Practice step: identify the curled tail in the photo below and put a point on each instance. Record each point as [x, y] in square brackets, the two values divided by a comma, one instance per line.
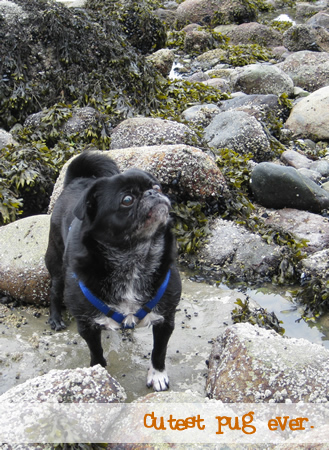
[90, 164]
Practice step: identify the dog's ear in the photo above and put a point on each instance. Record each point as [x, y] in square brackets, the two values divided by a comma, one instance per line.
[87, 206]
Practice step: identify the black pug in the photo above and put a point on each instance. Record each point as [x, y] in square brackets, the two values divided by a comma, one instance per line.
[111, 257]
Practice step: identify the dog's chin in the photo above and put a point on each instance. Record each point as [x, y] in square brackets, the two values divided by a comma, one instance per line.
[156, 217]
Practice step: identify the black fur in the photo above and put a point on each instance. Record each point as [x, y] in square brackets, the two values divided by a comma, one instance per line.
[112, 231]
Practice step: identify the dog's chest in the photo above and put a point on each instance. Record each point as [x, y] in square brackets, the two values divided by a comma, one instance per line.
[130, 282]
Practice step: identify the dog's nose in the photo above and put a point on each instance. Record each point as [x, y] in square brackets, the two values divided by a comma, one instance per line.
[152, 193]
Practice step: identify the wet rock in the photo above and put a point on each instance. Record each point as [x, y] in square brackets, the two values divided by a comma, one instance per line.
[147, 131]
[252, 33]
[303, 37]
[239, 255]
[203, 11]
[79, 121]
[278, 187]
[308, 70]
[23, 273]
[6, 139]
[316, 266]
[162, 60]
[262, 79]
[304, 225]
[295, 159]
[310, 116]
[85, 385]
[257, 105]
[181, 169]
[305, 10]
[201, 114]
[198, 41]
[321, 19]
[251, 364]
[240, 132]
[209, 59]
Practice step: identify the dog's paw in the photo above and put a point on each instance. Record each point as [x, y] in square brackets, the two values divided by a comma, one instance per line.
[158, 380]
[57, 324]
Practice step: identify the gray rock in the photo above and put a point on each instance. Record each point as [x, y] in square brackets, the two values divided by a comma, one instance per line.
[321, 166]
[81, 119]
[202, 11]
[301, 37]
[262, 79]
[180, 168]
[201, 114]
[147, 131]
[311, 174]
[162, 60]
[260, 106]
[198, 41]
[83, 385]
[304, 225]
[278, 187]
[309, 118]
[316, 265]
[253, 365]
[23, 273]
[6, 139]
[321, 19]
[237, 254]
[240, 132]
[295, 159]
[308, 70]
[253, 33]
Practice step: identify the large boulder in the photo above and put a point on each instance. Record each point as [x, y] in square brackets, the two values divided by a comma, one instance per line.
[251, 364]
[304, 37]
[83, 385]
[309, 118]
[204, 12]
[181, 169]
[278, 187]
[308, 70]
[252, 33]
[23, 245]
[236, 254]
[240, 132]
[262, 79]
[145, 131]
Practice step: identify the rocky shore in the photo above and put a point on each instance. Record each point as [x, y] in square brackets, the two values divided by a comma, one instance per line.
[222, 101]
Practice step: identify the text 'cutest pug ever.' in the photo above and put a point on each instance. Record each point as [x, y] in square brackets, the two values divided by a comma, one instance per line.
[111, 257]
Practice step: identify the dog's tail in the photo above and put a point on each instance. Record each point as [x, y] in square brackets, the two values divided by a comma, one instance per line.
[90, 164]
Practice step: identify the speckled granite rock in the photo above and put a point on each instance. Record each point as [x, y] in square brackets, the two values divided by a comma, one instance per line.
[251, 364]
[146, 131]
[180, 168]
[84, 385]
[23, 273]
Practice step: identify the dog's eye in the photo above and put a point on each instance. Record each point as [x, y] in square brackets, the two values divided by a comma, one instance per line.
[156, 187]
[127, 200]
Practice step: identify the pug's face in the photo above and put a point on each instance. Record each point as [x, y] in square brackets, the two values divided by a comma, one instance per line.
[124, 208]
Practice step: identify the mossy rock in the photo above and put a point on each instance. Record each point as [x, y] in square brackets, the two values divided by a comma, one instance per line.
[55, 53]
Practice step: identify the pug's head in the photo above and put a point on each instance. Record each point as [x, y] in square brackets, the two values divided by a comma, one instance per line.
[126, 207]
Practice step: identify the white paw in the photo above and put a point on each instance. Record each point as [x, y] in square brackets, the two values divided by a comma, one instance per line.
[159, 380]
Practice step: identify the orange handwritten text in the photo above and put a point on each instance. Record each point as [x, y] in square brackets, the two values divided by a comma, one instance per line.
[151, 421]
[234, 424]
[282, 422]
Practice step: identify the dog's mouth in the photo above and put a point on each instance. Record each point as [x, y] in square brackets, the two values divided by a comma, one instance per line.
[157, 215]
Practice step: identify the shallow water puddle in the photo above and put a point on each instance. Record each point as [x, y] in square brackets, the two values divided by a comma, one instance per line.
[204, 313]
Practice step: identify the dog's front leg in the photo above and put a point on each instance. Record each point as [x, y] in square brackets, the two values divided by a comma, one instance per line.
[157, 375]
[92, 335]
[56, 295]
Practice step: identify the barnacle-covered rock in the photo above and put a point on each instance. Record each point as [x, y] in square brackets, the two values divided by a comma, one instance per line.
[185, 171]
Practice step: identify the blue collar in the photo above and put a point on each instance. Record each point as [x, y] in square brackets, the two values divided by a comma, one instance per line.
[118, 317]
